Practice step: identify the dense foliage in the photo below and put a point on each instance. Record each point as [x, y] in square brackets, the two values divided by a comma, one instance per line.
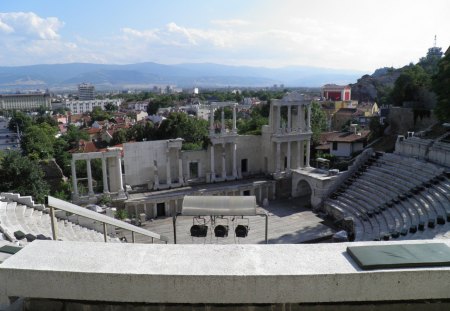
[22, 175]
[441, 86]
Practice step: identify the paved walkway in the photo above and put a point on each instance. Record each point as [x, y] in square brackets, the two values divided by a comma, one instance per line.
[288, 224]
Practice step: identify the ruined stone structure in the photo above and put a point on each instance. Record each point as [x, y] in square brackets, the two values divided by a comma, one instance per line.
[282, 149]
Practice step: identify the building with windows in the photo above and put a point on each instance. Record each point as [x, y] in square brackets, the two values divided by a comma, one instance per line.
[82, 106]
[24, 102]
[86, 91]
[336, 92]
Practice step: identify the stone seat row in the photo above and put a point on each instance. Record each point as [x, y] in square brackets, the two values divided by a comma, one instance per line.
[24, 224]
[402, 206]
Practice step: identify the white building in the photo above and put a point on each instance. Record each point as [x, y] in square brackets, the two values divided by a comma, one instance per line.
[24, 101]
[81, 106]
[139, 106]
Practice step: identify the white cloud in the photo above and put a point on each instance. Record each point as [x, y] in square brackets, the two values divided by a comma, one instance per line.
[146, 34]
[5, 27]
[230, 22]
[354, 35]
[28, 24]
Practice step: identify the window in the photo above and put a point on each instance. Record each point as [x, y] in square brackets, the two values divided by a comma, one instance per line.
[193, 169]
[244, 166]
[335, 145]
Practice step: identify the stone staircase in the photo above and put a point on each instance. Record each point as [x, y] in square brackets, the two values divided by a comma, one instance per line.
[22, 221]
[394, 196]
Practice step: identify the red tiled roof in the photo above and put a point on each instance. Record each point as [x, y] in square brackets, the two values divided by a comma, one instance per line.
[93, 130]
[347, 136]
[347, 111]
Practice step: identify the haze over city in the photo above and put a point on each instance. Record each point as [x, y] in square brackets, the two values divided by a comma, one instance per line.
[356, 35]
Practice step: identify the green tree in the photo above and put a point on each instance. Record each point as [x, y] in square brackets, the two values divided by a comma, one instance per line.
[62, 156]
[227, 113]
[162, 101]
[318, 121]
[21, 120]
[180, 125]
[73, 136]
[411, 85]
[45, 118]
[97, 114]
[136, 132]
[441, 86]
[119, 137]
[37, 141]
[111, 107]
[430, 62]
[22, 175]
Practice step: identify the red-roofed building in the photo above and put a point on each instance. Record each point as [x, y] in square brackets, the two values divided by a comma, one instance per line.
[336, 92]
[345, 144]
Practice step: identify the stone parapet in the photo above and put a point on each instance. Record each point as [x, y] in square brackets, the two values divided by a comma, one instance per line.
[213, 274]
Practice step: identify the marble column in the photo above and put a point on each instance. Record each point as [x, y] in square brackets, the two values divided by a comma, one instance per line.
[213, 172]
[278, 155]
[180, 169]
[299, 125]
[300, 154]
[222, 125]
[119, 173]
[278, 126]
[105, 176]
[211, 120]
[154, 209]
[74, 179]
[234, 161]
[302, 117]
[288, 168]
[89, 176]
[309, 118]
[289, 126]
[168, 173]
[224, 169]
[308, 152]
[156, 175]
[234, 120]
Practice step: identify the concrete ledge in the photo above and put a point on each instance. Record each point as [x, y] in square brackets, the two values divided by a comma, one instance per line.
[230, 274]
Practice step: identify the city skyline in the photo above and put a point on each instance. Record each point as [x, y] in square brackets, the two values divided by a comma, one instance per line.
[352, 35]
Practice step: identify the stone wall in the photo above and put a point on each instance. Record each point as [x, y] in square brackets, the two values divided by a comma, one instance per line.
[178, 275]
[402, 120]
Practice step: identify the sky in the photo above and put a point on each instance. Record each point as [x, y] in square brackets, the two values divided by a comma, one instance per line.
[346, 34]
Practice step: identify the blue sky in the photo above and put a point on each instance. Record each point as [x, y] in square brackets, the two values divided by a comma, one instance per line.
[346, 34]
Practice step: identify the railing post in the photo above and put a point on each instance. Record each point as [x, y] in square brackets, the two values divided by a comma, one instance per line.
[174, 220]
[53, 223]
[105, 233]
[267, 228]
[132, 237]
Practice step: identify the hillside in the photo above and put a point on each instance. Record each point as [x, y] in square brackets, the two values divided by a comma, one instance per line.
[375, 86]
[183, 75]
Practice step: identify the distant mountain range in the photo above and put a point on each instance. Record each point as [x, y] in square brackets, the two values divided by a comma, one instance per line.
[105, 76]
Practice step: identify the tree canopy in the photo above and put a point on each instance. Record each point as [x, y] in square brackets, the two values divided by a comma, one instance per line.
[441, 86]
[23, 175]
[318, 121]
[412, 85]
[97, 114]
[180, 125]
[21, 120]
[37, 141]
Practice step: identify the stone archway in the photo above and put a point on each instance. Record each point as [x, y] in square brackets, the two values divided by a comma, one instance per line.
[304, 192]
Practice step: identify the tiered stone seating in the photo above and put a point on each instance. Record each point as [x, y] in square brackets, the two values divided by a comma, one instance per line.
[393, 196]
[15, 218]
